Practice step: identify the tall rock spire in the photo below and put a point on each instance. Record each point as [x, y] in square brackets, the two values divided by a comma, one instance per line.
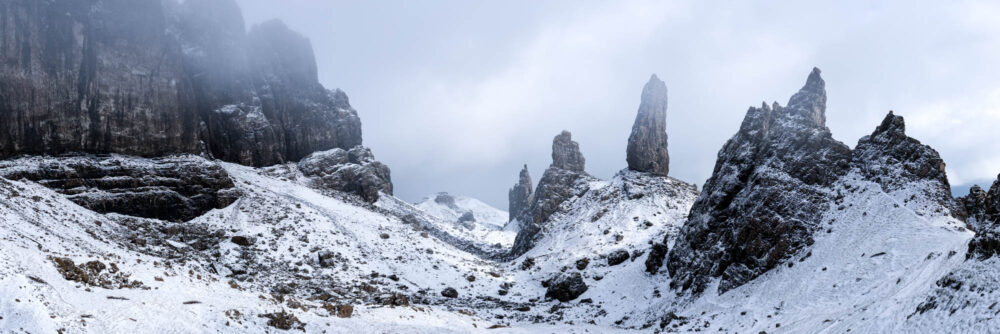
[519, 197]
[810, 101]
[564, 179]
[647, 145]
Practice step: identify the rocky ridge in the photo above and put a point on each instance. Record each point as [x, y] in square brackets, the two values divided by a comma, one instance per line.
[774, 179]
[762, 203]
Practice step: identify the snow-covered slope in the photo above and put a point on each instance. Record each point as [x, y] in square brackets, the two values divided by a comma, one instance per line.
[622, 216]
[877, 258]
[470, 218]
[281, 247]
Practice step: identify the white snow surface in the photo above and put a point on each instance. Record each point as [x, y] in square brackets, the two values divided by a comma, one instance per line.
[884, 255]
[490, 225]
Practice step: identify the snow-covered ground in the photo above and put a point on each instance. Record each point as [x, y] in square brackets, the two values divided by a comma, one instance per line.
[470, 218]
[187, 285]
[879, 257]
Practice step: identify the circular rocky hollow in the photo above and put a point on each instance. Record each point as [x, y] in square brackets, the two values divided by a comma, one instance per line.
[173, 188]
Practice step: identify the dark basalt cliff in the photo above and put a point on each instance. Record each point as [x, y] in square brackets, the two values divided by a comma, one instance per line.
[93, 76]
[146, 78]
[765, 195]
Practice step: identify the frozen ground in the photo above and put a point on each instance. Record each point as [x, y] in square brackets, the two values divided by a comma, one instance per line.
[880, 257]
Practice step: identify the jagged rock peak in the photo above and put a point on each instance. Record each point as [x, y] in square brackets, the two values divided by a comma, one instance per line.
[519, 197]
[891, 158]
[566, 153]
[647, 145]
[810, 101]
[779, 156]
[983, 210]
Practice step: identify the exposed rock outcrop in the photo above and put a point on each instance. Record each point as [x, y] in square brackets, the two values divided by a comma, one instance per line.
[354, 171]
[93, 76]
[566, 287]
[176, 188]
[765, 196]
[563, 180]
[519, 197]
[151, 78]
[893, 160]
[566, 153]
[983, 210]
[647, 145]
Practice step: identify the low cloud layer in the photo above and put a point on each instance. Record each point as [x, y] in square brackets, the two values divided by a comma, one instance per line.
[456, 95]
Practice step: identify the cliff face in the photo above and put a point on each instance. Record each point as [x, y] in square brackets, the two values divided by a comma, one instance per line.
[146, 78]
[92, 76]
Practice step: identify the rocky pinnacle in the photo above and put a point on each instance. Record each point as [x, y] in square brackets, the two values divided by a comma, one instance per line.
[810, 101]
[519, 197]
[647, 145]
[566, 153]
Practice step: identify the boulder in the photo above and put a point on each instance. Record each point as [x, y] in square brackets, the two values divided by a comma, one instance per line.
[566, 287]
[352, 171]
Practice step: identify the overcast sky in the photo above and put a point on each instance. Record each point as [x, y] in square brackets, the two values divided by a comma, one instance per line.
[456, 95]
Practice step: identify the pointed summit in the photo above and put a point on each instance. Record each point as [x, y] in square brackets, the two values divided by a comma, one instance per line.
[810, 101]
[566, 153]
[519, 197]
[647, 145]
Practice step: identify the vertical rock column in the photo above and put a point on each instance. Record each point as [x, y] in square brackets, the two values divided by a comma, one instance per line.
[647, 145]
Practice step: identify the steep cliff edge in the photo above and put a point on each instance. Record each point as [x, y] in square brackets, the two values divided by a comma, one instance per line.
[146, 78]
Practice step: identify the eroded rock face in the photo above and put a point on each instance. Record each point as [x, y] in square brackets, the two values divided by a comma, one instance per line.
[176, 188]
[519, 197]
[566, 153]
[778, 167]
[892, 159]
[647, 145]
[983, 210]
[563, 180]
[151, 78]
[354, 171]
[92, 76]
